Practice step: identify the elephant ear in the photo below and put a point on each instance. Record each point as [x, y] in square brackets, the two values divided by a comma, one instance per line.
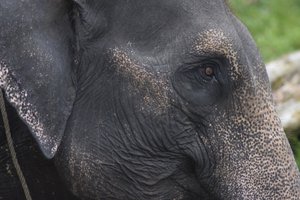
[36, 60]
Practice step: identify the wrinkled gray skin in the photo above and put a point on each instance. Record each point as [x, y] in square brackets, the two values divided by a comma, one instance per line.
[157, 99]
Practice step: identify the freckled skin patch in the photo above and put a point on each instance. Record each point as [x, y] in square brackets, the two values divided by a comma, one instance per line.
[18, 98]
[253, 157]
[154, 86]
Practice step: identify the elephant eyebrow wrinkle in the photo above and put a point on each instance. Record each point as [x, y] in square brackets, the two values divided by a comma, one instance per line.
[214, 41]
[153, 86]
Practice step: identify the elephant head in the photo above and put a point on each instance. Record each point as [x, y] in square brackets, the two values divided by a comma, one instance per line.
[157, 99]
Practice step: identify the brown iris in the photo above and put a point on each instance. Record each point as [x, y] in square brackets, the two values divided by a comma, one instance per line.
[209, 71]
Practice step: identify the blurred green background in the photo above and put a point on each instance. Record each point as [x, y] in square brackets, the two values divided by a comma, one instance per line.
[275, 26]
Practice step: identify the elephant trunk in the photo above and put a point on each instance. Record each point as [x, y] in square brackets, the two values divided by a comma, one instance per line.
[254, 159]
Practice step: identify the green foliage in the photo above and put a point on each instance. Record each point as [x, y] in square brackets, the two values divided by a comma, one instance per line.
[295, 143]
[274, 24]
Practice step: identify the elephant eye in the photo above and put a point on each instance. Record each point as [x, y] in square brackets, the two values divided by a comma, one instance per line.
[207, 71]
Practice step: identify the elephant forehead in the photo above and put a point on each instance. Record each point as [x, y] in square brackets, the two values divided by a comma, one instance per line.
[152, 85]
[215, 42]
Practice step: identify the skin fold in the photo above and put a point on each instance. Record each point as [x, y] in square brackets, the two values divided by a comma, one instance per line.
[158, 99]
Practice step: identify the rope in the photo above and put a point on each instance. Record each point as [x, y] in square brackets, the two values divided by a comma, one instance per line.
[12, 149]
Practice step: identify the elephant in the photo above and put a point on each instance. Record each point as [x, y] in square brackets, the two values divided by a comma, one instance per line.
[130, 99]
